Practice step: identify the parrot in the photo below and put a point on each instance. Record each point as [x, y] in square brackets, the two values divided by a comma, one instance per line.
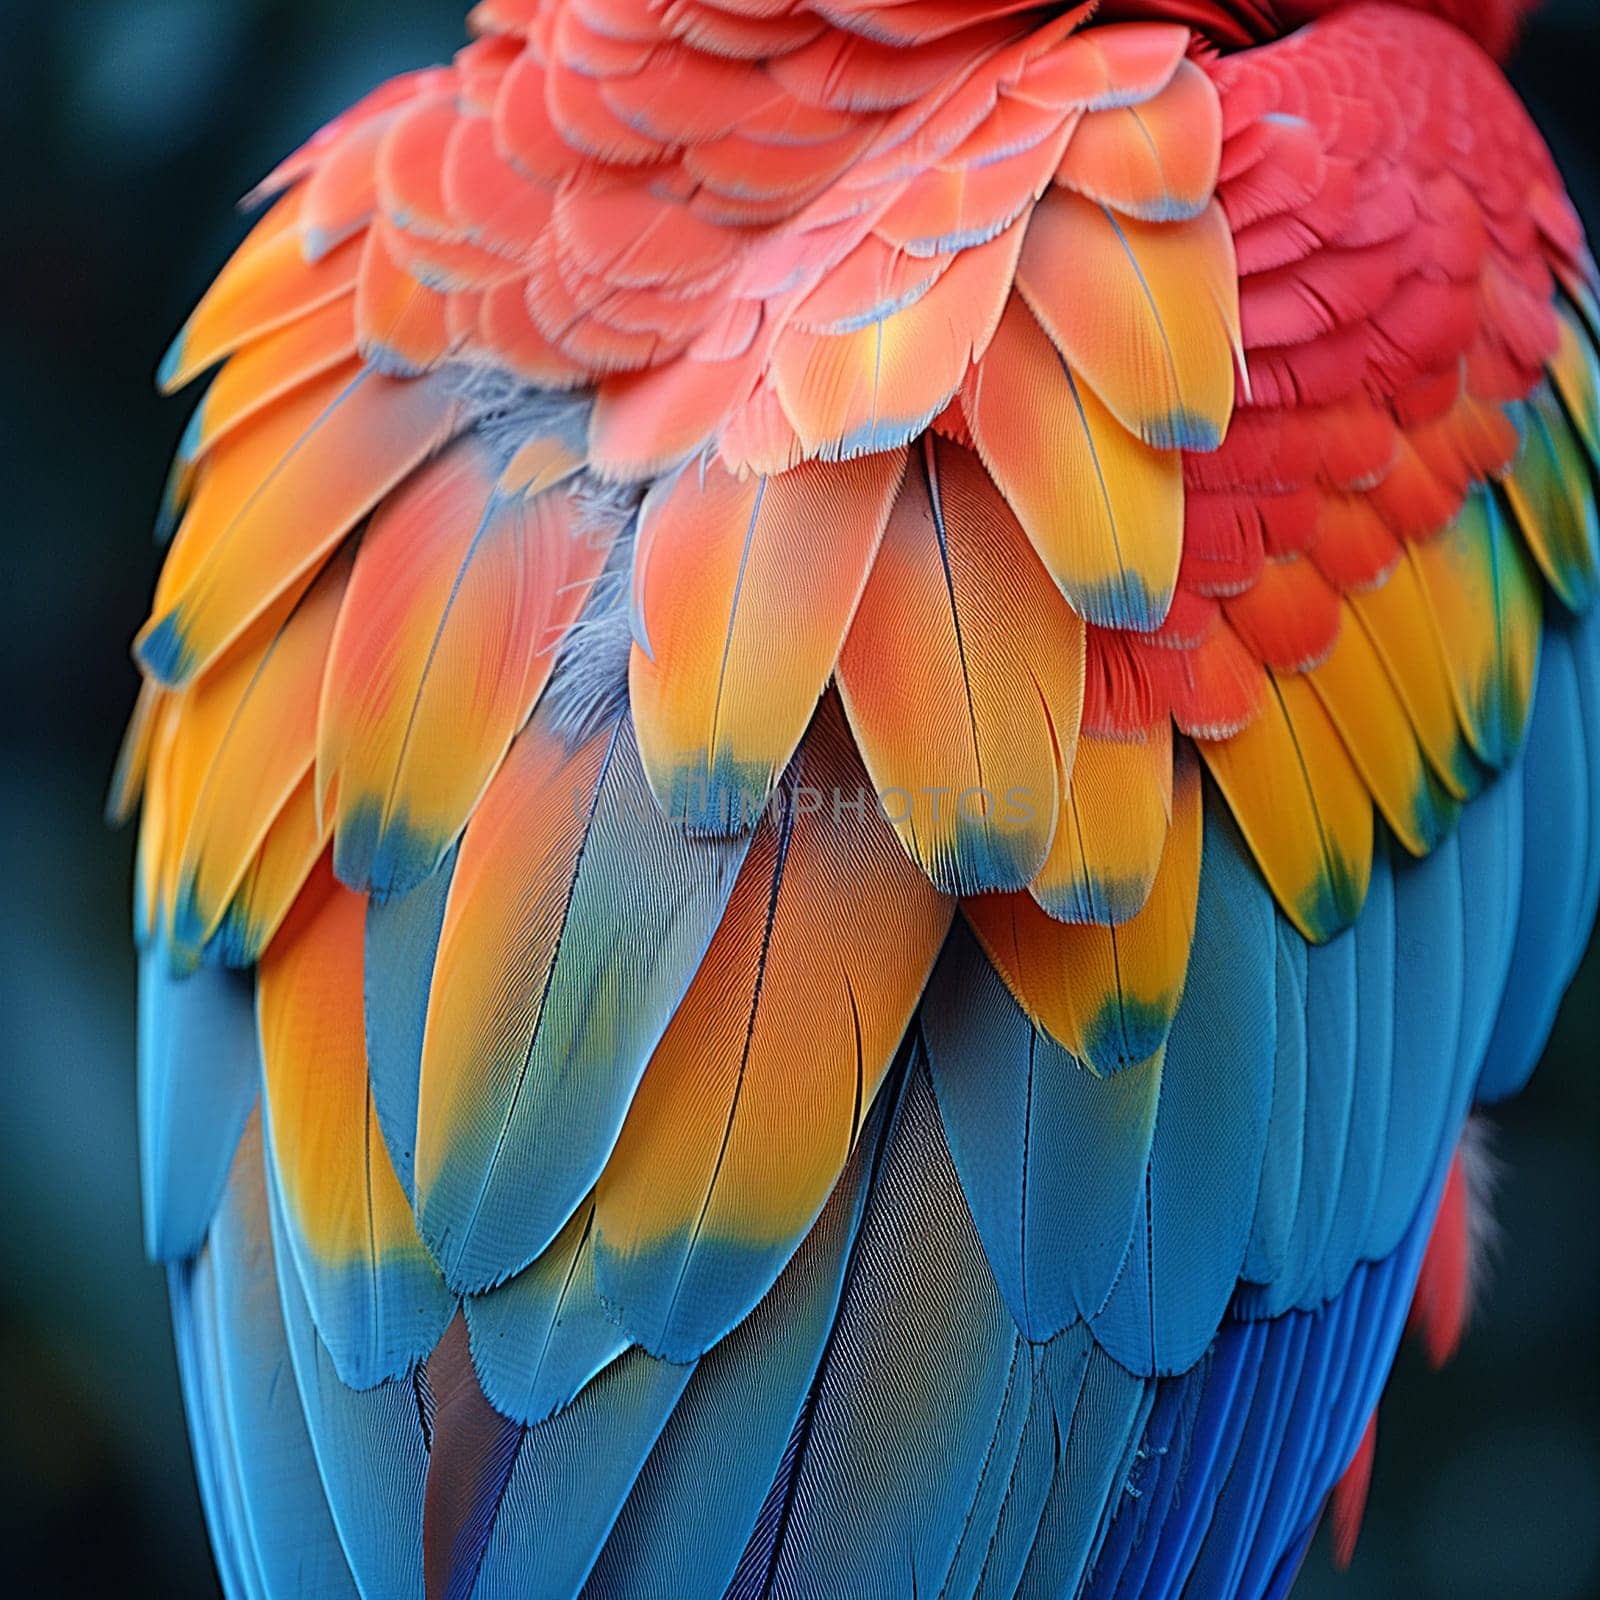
[869, 728]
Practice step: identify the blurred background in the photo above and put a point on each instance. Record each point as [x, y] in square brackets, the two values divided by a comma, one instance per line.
[128, 128]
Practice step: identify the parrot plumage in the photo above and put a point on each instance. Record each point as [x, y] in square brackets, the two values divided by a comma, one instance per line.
[867, 722]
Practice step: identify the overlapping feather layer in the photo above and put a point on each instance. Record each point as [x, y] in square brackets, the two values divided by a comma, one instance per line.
[691, 497]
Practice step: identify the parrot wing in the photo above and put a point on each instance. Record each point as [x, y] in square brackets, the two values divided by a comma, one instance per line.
[893, 705]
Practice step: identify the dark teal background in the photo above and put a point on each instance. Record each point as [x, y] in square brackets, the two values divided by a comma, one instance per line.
[127, 128]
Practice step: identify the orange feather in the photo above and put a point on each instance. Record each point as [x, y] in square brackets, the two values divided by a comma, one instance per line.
[243, 549]
[267, 285]
[963, 679]
[1107, 993]
[402, 324]
[1104, 510]
[880, 385]
[1357, 692]
[377, 1298]
[262, 757]
[1301, 806]
[269, 368]
[755, 1095]
[743, 592]
[1157, 159]
[1146, 314]
[458, 600]
[1116, 804]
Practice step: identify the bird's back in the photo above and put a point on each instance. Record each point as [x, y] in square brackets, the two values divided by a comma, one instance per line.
[866, 725]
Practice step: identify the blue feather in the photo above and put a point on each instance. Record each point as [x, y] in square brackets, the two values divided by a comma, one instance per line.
[1362, 1169]
[911, 1391]
[199, 1069]
[1333, 1064]
[1555, 781]
[571, 1477]
[1211, 1124]
[1317, 1047]
[290, 1528]
[699, 1497]
[998, 1479]
[1293, 1559]
[1212, 1469]
[644, 901]
[1491, 841]
[1100, 1413]
[1282, 1166]
[1429, 980]
[1439, 934]
[1584, 639]
[1227, 1541]
[1032, 1476]
[192, 1295]
[1304, 1424]
[539, 1338]
[1171, 1527]
[1336, 1342]
[752, 1576]
[402, 940]
[369, 1444]
[1277, 1411]
[1050, 1155]
[1123, 1563]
